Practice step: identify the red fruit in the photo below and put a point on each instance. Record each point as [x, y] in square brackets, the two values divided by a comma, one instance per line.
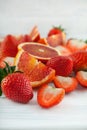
[55, 30]
[79, 60]
[9, 46]
[67, 83]
[34, 34]
[82, 78]
[63, 65]
[63, 50]
[49, 96]
[56, 37]
[25, 38]
[54, 40]
[76, 45]
[16, 86]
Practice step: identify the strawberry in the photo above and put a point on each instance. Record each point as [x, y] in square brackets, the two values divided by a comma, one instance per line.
[16, 86]
[75, 45]
[82, 78]
[67, 83]
[55, 30]
[56, 36]
[79, 60]
[9, 46]
[24, 38]
[49, 96]
[63, 50]
[63, 65]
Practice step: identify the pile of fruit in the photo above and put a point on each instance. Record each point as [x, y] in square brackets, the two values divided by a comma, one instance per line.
[54, 65]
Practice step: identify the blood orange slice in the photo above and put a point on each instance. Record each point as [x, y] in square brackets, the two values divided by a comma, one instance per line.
[41, 74]
[24, 62]
[37, 72]
[39, 51]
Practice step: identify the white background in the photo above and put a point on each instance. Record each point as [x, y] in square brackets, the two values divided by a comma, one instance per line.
[19, 16]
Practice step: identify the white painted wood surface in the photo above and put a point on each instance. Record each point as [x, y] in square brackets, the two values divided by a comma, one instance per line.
[19, 16]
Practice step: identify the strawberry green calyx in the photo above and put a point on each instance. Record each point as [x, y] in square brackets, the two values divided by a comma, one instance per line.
[59, 27]
[4, 72]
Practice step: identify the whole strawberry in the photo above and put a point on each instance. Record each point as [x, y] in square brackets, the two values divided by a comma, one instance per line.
[16, 86]
[63, 65]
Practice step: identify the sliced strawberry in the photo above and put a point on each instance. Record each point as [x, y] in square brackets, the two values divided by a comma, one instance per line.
[34, 34]
[63, 50]
[76, 45]
[54, 40]
[56, 37]
[82, 78]
[25, 38]
[67, 83]
[9, 46]
[79, 60]
[63, 65]
[49, 96]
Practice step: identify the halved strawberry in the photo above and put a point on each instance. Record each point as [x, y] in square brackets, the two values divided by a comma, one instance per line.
[49, 96]
[79, 60]
[63, 65]
[63, 50]
[76, 45]
[67, 83]
[9, 46]
[82, 78]
[56, 36]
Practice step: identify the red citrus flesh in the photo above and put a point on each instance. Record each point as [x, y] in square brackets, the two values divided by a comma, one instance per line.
[39, 51]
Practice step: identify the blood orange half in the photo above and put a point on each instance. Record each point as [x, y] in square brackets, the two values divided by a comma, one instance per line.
[39, 51]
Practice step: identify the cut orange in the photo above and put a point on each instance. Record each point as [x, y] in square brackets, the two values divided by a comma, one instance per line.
[39, 51]
[37, 72]
[41, 74]
[24, 62]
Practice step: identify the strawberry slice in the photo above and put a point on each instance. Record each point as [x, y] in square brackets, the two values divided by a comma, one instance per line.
[79, 60]
[76, 45]
[54, 40]
[67, 83]
[56, 36]
[49, 96]
[63, 65]
[9, 46]
[82, 78]
[63, 50]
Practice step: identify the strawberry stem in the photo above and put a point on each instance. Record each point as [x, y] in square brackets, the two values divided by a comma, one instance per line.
[4, 72]
[59, 27]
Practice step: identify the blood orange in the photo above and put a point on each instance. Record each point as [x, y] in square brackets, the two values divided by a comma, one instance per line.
[24, 62]
[37, 72]
[39, 51]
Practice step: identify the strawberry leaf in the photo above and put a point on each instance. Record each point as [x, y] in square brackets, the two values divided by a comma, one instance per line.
[59, 27]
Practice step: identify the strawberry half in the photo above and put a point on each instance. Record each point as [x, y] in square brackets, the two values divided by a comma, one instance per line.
[79, 60]
[9, 46]
[16, 86]
[49, 96]
[82, 78]
[63, 65]
[56, 36]
[76, 45]
[67, 83]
